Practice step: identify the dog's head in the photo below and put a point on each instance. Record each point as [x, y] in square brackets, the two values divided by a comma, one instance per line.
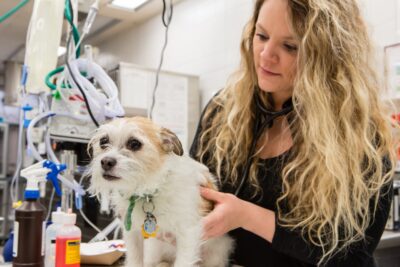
[128, 154]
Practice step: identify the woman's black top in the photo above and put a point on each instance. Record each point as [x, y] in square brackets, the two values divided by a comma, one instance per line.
[289, 248]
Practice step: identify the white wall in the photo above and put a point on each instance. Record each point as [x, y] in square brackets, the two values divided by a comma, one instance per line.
[204, 40]
[205, 34]
[383, 19]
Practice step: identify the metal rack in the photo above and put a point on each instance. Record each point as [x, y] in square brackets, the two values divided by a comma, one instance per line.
[3, 149]
[4, 197]
[4, 209]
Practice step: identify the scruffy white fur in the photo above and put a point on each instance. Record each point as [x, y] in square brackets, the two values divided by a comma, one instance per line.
[155, 165]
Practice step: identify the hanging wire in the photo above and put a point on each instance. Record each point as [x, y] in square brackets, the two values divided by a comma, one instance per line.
[166, 20]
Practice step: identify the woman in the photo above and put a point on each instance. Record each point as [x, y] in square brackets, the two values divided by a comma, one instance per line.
[299, 140]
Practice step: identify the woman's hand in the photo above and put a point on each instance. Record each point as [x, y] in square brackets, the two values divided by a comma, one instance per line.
[228, 214]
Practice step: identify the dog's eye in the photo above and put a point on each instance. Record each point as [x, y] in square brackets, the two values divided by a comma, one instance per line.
[134, 144]
[104, 141]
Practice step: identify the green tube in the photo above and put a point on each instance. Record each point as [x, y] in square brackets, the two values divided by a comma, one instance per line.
[51, 74]
[76, 36]
[13, 10]
[75, 31]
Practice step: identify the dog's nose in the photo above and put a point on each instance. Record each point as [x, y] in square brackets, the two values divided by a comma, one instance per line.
[108, 163]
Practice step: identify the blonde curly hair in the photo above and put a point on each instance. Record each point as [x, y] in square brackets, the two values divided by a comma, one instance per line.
[341, 130]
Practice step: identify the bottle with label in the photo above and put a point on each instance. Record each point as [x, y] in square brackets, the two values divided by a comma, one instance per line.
[29, 225]
[51, 234]
[68, 242]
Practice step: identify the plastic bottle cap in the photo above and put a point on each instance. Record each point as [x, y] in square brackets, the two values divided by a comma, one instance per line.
[69, 218]
[57, 216]
[31, 194]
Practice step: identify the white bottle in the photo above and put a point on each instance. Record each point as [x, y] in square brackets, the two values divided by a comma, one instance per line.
[51, 234]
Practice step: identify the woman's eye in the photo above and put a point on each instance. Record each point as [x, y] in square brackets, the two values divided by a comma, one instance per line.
[261, 37]
[104, 141]
[290, 48]
[134, 144]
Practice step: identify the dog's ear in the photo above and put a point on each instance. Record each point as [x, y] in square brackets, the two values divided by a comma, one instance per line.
[170, 142]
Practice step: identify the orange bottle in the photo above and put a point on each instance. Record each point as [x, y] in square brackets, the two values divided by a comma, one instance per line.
[68, 242]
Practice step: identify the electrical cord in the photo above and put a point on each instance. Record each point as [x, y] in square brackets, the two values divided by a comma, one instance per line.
[167, 20]
[166, 23]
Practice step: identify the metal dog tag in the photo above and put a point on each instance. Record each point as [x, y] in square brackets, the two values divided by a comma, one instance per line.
[149, 227]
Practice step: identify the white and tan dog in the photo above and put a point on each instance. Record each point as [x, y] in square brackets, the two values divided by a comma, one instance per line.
[141, 167]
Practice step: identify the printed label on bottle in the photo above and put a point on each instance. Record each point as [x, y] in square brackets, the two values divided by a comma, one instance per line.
[15, 241]
[72, 252]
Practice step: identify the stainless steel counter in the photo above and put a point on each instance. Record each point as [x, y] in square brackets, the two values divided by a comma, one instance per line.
[389, 239]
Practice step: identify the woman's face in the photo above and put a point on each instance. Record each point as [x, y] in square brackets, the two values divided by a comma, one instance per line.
[275, 51]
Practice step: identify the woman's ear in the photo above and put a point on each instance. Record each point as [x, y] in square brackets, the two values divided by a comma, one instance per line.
[170, 142]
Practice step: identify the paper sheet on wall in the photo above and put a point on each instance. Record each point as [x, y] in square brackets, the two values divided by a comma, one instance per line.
[136, 84]
[170, 109]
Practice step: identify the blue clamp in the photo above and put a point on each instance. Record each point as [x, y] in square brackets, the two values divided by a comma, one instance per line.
[78, 201]
[24, 75]
[52, 175]
[25, 109]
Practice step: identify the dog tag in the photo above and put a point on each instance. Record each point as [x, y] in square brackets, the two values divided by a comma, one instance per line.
[149, 227]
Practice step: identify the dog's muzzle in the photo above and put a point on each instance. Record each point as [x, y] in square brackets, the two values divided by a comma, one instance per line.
[110, 177]
[107, 163]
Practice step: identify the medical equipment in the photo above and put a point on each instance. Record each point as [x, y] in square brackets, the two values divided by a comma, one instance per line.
[69, 110]
[103, 103]
[41, 57]
[68, 157]
[82, 93]
[264, 119]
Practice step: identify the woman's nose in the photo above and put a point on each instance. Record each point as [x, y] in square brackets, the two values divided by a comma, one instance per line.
[269, 53]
